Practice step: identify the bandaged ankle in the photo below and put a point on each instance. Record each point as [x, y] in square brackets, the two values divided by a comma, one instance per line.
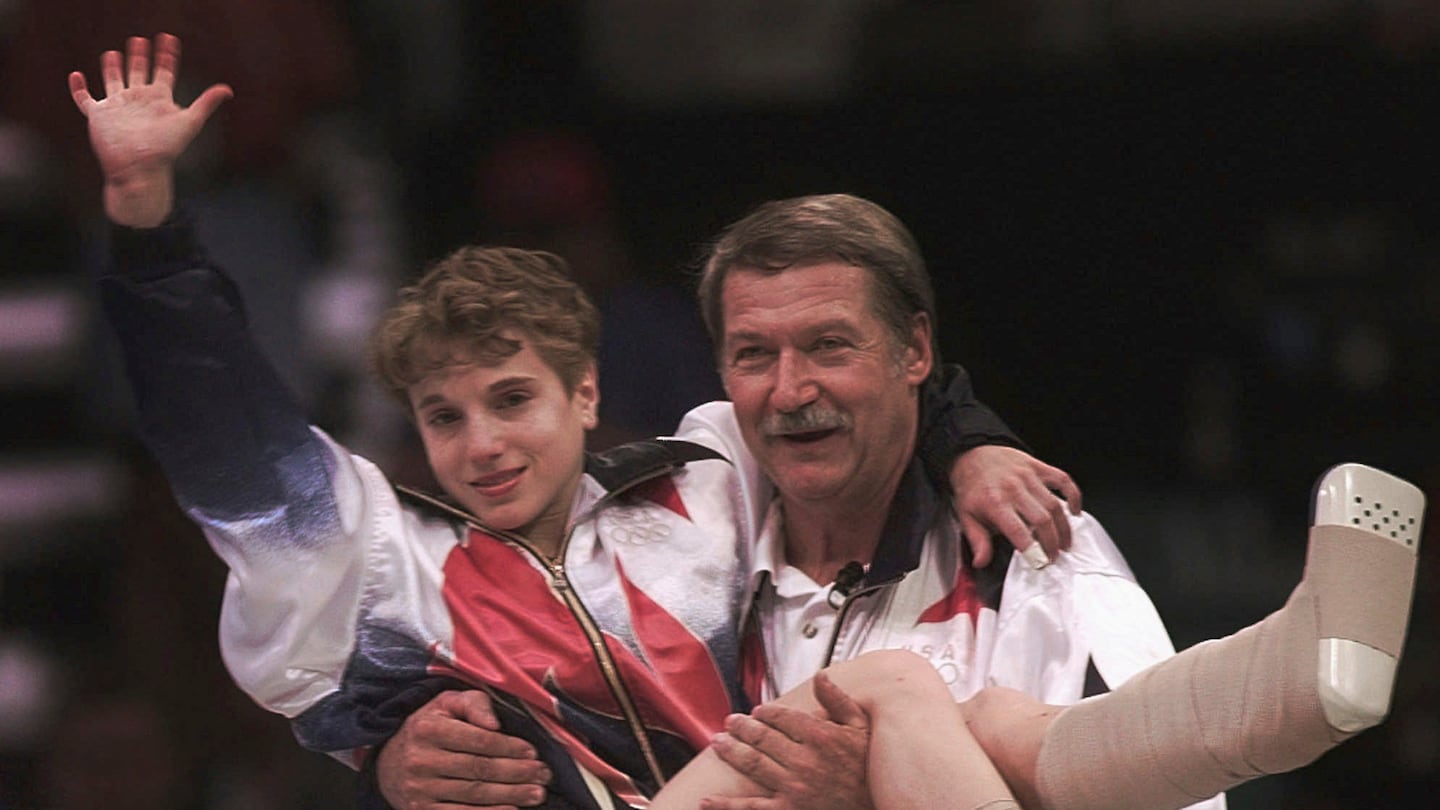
[1257, 702]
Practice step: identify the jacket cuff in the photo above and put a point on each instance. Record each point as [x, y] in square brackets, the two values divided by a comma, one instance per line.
[151, 253]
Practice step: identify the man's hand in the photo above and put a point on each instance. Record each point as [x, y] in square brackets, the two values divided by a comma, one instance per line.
[451, 752]
[1011, 492]
[138, 131]
[804, 761]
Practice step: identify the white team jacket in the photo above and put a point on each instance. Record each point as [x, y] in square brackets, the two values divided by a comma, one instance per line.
[1038, 631]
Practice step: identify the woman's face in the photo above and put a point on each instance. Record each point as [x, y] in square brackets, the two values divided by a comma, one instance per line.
[507, 441]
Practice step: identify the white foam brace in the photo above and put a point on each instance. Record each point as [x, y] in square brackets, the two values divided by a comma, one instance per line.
[1226, 711]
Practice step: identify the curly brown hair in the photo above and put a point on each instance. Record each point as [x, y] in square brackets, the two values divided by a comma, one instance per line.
[462, 308]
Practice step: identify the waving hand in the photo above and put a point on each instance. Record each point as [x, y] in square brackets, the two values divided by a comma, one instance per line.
[138, 131]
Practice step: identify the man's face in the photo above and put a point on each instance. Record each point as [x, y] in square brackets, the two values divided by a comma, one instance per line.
[824, 393]
[507, 441]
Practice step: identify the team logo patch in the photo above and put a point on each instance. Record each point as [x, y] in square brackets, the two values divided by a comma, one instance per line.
[635, 526]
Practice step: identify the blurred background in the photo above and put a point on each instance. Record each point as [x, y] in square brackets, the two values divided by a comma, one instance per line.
[1187, 248]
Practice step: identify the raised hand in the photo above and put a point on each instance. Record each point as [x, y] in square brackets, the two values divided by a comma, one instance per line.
[138, 131]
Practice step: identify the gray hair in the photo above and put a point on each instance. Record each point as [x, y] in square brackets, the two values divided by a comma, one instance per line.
[825, 227]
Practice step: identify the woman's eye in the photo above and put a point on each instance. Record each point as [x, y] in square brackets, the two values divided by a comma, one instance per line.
[441, 418]
[514, 399]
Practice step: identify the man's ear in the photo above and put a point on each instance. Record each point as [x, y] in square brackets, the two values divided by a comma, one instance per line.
[919, 356]
[586, 397]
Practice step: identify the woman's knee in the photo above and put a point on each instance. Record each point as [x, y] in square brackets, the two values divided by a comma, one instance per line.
[889, 674]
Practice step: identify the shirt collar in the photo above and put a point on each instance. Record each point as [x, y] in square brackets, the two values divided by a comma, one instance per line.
[914, 510]
[769, 553]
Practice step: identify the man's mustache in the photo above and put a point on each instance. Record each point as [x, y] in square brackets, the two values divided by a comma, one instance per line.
[810, 419]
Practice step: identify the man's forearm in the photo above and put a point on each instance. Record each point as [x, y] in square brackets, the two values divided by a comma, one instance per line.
[952, 421]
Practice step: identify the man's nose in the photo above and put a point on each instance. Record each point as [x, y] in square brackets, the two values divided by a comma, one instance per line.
[795, 385]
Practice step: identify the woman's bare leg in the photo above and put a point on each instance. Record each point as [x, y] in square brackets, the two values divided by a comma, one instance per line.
[921, 753]
[1010, 727]
[1268, 699]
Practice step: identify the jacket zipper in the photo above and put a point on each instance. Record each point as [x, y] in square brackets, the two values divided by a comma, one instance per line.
[604, 658]
[560, 581]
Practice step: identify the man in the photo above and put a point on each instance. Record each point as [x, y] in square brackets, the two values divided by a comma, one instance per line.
[823, 317]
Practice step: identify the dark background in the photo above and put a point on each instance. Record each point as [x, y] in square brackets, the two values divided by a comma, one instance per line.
[1186, 248]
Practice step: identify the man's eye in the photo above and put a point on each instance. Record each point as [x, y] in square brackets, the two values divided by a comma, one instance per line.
[826, 344]
[748, 356]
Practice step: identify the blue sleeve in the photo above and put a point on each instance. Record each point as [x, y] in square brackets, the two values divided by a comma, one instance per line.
[230, 436]
[269, 492]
